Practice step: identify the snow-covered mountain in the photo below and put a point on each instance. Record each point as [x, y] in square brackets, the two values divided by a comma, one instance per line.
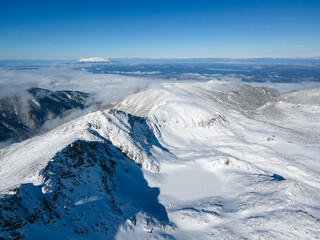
[181, 161]
[93, 60]
[23, 115]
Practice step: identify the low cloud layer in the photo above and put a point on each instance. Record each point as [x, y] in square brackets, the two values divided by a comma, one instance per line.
[105, 87]
[15, 79]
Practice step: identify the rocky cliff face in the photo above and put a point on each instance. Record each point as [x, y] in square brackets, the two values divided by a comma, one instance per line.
[21, 118]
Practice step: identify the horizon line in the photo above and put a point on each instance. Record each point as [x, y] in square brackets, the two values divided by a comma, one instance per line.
[162, 58]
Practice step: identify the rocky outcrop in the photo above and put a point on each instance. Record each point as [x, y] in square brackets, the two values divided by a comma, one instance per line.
[90, 189]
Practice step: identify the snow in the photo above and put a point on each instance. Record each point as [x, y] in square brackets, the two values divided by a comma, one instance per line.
[93, 59]
[231, 166]
[225, 163]
[200, 186]
[88, 200]
[298, 111]
[21, 162]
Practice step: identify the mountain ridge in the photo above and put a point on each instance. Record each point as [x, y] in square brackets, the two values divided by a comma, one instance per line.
[214, 167]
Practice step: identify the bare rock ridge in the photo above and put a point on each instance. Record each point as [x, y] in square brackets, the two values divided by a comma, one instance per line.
[22, 116]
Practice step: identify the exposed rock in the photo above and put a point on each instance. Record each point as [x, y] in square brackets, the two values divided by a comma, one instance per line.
[21, 118]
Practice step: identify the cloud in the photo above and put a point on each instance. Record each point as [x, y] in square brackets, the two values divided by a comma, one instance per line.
[66, 117]
[5, 143]
[104, 87]
[16, 78]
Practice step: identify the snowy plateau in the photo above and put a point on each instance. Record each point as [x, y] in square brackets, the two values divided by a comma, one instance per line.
[183, 160]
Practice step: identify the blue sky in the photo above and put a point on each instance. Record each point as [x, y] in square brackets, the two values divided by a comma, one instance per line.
[73, 29]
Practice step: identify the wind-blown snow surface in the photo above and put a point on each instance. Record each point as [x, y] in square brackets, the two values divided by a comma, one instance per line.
[217, 162]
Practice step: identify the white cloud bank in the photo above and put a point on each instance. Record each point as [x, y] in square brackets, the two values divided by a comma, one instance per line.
[108, 87]
[104, 87]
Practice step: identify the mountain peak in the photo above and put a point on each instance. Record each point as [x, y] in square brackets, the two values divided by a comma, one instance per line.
[93, 59]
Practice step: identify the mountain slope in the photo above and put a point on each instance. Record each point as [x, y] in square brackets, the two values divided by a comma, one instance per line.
[298, 111]
[210, 168]
[87, 190]
[21, 118]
